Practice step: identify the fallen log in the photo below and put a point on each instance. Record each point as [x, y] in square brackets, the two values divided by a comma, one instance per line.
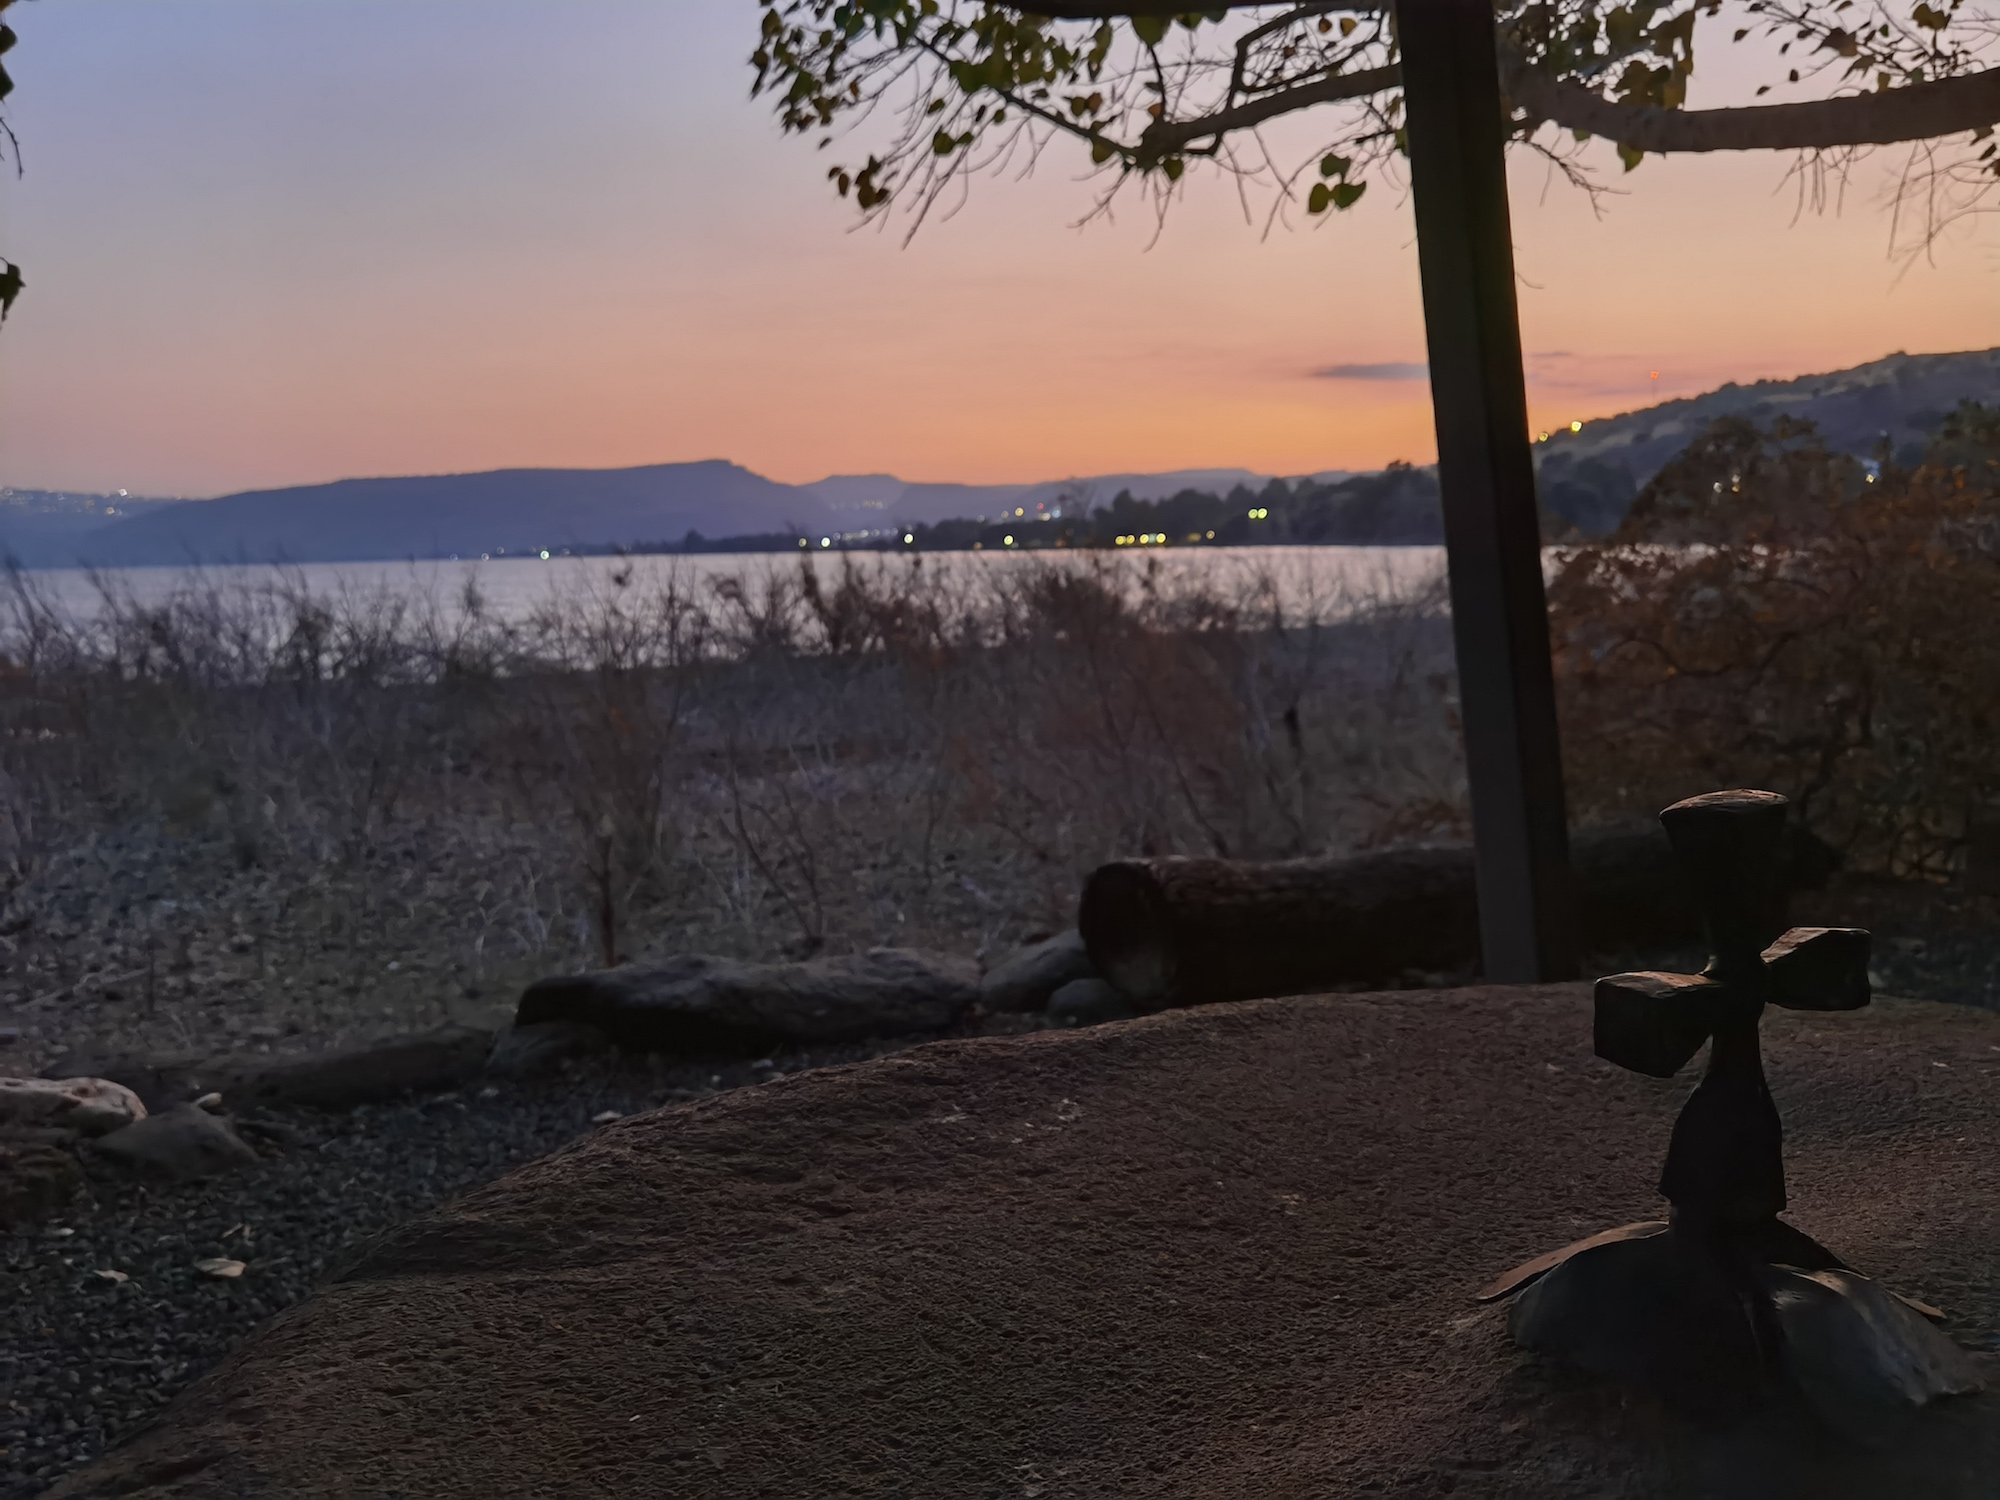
[1187, 931]
[366, 1073]
[694, 1004]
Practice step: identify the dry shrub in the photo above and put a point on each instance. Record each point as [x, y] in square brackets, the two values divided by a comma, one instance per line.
[244, 791]
[1769, 615]
[1123, 712]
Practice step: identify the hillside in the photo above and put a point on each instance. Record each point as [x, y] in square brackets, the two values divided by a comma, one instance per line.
[1589, 477]
[51, 528]
[507, 511]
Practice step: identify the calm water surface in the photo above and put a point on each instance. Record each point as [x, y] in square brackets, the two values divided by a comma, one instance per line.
[1325, 582]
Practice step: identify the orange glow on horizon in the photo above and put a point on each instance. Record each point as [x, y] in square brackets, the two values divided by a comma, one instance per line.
[512, 256]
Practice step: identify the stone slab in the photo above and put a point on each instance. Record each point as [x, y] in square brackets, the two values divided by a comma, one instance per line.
[1221, 1252]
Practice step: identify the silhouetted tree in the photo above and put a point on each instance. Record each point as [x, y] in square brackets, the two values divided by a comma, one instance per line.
[1147, 87]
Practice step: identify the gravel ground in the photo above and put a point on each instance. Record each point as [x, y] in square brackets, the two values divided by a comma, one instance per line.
[86, 1358]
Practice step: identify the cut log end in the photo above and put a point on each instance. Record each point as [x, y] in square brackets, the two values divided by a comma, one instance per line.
[1128, 931]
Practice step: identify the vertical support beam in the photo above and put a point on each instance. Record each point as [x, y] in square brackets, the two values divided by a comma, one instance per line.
[1513, 759]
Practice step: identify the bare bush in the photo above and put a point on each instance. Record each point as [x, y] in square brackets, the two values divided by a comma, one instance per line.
[251, 807]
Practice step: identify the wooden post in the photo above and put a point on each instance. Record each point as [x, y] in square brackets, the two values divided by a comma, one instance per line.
[1513, 758]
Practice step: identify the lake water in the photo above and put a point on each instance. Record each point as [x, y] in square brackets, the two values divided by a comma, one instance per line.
[1323, 582]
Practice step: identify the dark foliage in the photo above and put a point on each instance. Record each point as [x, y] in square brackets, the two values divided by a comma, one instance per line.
[1773, 614]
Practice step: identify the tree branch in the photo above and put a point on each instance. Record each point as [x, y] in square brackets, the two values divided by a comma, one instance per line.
[1118, 10]
[1914, 112]
[1164, 137]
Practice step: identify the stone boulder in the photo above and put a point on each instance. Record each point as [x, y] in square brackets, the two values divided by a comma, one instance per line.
[722, 1006]
[1089, 1002]
[182, 1144]
[1229, 1252]
[1025, 981]
[160, 1081]
[89, 1106]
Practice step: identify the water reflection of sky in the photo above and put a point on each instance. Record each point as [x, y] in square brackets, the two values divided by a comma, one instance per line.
[1306, 582]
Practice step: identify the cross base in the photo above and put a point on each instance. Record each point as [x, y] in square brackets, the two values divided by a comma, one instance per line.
[1715, 1321]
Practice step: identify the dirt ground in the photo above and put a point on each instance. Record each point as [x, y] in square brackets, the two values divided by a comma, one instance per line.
[1224, 1252]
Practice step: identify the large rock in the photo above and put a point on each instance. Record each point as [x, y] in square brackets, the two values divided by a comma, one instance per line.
[1227, 1252]
[89, 1106]
[696, 1004]
[160, 1081]
[182, 1144]
[35, 1177]
[1089, 1002]
[1026, 981]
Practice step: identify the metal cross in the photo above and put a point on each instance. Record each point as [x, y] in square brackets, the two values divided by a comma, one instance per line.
[1724, 1167]
[1715, 1307]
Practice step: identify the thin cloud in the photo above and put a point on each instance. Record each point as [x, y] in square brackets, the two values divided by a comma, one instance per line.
[1391, 371]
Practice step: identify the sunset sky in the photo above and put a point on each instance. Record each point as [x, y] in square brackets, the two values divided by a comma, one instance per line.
[283, 241]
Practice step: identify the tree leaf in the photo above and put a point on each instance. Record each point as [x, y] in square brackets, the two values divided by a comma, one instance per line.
[1152, 30]
[1347, 194]
[1319, 198]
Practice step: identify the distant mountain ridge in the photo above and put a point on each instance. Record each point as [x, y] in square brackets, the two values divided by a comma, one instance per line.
[507, 511]
[514, 512]
[1587, 477]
